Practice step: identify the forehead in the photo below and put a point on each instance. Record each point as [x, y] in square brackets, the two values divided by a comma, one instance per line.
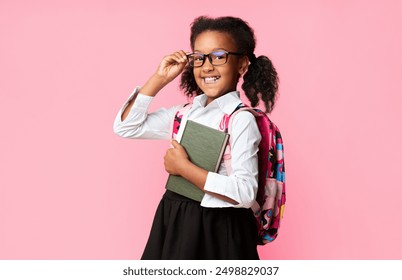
[208, 41]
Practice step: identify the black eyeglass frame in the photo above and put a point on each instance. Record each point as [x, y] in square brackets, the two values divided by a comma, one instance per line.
[204, 55]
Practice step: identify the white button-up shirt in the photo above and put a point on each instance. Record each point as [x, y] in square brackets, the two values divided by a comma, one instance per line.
[241, 185]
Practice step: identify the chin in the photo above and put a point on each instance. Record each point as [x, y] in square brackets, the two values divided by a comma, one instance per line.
[212, 94]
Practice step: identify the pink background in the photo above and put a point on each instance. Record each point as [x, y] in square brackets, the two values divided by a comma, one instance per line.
[71, 189]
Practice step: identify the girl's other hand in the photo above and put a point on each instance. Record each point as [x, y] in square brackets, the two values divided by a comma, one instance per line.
[176, 159]
[172, 65]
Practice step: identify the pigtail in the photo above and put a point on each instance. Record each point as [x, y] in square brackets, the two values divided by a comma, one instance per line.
[261, 82]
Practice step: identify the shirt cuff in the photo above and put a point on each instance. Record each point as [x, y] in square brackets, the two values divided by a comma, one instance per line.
[217, 183]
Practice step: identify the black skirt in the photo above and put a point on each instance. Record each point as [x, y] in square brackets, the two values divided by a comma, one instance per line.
[184, 230]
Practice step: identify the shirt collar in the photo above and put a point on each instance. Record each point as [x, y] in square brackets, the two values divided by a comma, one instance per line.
[227, 103]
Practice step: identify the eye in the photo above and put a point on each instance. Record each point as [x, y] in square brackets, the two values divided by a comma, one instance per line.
[198, 57]
[218, 55]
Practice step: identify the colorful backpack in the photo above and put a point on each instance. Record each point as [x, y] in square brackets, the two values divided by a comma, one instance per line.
[271, 197]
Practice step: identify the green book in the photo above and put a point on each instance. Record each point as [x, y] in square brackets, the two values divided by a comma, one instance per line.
[205, 147]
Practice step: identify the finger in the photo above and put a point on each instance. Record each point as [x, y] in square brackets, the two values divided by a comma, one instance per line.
[170, 59]
[175, 144]
[169, 152]
[180, 56]
[183, 55]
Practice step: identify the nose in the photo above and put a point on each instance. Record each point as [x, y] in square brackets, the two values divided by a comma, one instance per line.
[207, 66]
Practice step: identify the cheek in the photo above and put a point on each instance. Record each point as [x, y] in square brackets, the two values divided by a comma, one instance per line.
[197, 78]
[232, 75]
[195, 72]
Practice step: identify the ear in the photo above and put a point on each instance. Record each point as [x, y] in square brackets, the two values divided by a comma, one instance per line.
[243, 65]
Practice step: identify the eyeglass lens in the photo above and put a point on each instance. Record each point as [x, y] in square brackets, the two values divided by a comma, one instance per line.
[215, 58]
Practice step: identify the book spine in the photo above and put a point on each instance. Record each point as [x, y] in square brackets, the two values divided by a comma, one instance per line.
[225, 144]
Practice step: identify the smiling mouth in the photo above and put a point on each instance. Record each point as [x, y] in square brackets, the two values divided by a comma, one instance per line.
[211, 80]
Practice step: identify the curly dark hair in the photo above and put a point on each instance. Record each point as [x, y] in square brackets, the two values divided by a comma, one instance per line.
[260, 80]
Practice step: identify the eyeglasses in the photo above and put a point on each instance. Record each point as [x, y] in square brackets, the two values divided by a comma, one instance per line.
[216, 58]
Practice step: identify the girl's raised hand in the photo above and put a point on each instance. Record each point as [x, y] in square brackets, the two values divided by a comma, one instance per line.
[172, 65]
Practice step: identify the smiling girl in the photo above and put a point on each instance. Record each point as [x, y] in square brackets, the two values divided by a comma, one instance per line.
[222, 226]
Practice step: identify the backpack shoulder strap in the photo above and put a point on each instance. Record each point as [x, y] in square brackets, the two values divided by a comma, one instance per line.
[181, 113]
[226, 126]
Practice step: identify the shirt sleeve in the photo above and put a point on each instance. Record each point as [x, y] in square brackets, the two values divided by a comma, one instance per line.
[141, 124]
[242, 184]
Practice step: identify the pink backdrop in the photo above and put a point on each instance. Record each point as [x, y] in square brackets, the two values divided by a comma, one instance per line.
[71, 189]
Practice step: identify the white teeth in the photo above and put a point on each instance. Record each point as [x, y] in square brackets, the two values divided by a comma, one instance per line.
[210, 80]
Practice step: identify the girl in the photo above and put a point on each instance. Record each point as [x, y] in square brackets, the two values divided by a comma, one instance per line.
[222, 226]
